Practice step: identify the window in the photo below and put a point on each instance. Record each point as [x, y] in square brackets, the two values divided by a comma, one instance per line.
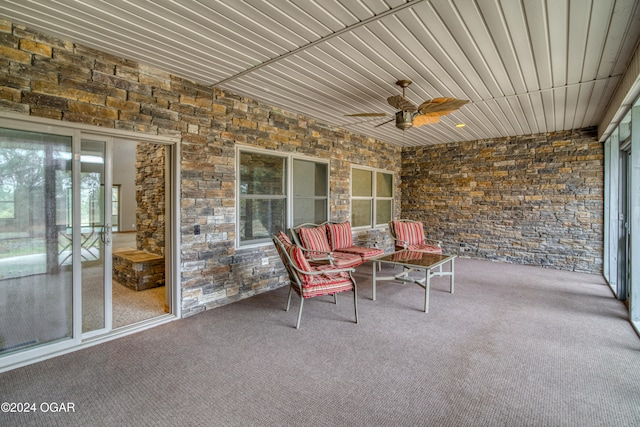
[263, 196]
[371, 197]
[310, 192]
[265, 182]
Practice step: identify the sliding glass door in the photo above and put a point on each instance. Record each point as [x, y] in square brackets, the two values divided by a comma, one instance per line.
[59, 287]
[622, 211]
[55, 256]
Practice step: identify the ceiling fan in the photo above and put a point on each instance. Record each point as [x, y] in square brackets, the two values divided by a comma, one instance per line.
[411, 115]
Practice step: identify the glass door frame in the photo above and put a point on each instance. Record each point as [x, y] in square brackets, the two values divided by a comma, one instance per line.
[624, 208]
[634, 219]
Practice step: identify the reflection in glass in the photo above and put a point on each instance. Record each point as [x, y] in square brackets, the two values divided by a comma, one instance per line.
[261, 174]
[309, 178]
[383, 211]
[262, 196]
[92, 234]
[35, 243]
[360, 213]
[361, 184]
[260, 219]
[384, 184]
[7, 200]
[309, 210]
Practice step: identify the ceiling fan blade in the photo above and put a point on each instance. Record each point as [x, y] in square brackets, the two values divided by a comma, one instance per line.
[426, 119]
[388, 121]
[430, 118]
[441, 104]
[366, 115]
[401, 103]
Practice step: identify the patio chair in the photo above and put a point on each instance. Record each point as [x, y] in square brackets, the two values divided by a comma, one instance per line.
[309, 281]
[313, 240]
[408, 234]
[341, 240]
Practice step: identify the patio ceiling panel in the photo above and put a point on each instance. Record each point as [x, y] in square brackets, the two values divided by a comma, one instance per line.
[520, 38]
[536, 11]
[499, 32]
[436, 69]
[527, 66]
[320, 13]
[488, 122]
[519, 120]
[622, 39]
[559, 99]
[558, 43]
[359, 86]
[474, 56]
[601, 91]
[571, 101]
[204, 30]
[533, 100]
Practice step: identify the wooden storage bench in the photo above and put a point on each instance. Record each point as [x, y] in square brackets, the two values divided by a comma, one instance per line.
[138, 269]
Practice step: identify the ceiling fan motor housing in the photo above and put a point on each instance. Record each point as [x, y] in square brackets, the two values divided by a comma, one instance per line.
[404, 120]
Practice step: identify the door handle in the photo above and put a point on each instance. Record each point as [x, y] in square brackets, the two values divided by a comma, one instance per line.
[105, 234]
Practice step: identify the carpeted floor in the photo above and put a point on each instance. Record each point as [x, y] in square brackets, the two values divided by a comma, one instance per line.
[514, 346]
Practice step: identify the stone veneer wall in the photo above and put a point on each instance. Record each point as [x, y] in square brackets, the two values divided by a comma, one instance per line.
[530, 200]
[48, 77]
[150, 198]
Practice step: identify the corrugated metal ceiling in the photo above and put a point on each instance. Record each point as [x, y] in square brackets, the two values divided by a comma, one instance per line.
[527, 66]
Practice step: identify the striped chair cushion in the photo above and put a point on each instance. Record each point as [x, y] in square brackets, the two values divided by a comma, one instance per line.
[345, 260]
[281, 245]
[286, 242]
[323, 267]
[282, 236]
[298, 258]
[315, 239]
[364, 252]
[326, 285]
[410, 232]
[340, 236]
[319, 284]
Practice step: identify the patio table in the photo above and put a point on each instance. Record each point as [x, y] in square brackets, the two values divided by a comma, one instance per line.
[414, 260]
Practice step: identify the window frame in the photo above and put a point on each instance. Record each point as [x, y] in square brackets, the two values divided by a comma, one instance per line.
[289, 196]
[374, 198]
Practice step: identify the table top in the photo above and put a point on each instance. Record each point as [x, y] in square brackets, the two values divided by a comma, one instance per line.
[415, 259]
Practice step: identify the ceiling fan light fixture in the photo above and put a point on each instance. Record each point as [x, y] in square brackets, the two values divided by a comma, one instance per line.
[404, 120]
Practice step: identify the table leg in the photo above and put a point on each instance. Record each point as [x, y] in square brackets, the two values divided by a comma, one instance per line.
[374, 279]
[451, 279]
[427, 285]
